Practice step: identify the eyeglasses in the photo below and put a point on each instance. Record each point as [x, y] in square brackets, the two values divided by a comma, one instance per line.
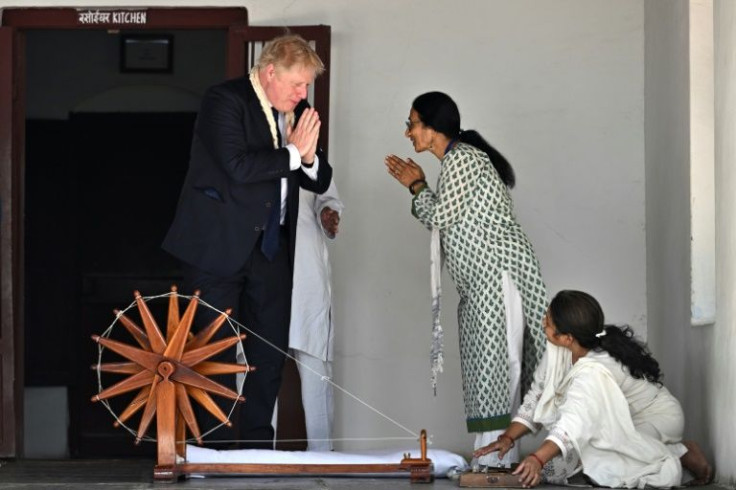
[410, 124]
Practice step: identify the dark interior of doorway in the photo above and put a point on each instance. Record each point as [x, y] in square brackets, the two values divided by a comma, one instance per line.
[101, 191]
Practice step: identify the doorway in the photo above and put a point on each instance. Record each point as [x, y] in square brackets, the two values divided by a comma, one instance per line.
[106, 155]
[67, 103]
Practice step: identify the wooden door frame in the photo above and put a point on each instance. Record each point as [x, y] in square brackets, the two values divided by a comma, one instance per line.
[11, 251]
[12, 161]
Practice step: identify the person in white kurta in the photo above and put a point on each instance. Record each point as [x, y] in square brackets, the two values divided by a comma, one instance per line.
[612, 420]
[311, 330]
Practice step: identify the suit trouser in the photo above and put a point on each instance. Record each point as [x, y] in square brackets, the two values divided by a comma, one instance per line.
[260, 297]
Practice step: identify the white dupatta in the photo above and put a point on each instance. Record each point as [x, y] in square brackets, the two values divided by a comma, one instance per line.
[435, 357]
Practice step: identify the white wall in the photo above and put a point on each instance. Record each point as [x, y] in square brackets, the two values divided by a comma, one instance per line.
[668, 177]
[682, 349]
[722, 363]
[702, 181]
[557, 86]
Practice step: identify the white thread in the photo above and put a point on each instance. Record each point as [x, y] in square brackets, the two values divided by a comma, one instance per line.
[334, 385]
[395, 438]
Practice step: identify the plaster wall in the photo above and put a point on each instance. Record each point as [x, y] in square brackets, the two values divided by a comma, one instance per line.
[681, 346]
[668, 179]
[723, 344]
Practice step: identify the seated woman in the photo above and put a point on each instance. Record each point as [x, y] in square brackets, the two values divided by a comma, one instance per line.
[598, 392]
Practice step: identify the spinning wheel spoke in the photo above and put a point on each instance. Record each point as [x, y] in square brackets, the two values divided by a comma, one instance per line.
[173, 318]
[208, 332]
[177, 341]
[143, 358]
[129, 384]
[215, 368]
[158, 344]
[185, 408]
[192, 357]
[137, 332]
[120, 367]
[206, 401]
[189, 377]
[133, 407]
[150, 410]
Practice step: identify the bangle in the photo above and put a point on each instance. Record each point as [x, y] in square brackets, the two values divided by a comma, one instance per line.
[504, 436]
[418, 181]
[534, 455]
[308, 165]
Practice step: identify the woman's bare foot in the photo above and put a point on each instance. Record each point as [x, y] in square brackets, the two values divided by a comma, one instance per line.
[694, 461]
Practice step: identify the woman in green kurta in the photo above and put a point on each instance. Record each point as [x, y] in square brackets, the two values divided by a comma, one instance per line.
[489, 258]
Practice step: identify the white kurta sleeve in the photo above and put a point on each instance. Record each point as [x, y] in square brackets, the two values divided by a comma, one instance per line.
[330, 199]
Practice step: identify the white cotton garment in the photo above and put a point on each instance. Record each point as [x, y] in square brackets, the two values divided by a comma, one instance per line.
[594, 413]
[311, 328]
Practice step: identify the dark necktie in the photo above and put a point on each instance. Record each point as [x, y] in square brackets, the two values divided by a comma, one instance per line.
[276, 120]
[270, 241]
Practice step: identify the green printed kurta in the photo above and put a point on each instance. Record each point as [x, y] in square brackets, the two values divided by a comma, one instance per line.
[481, 239]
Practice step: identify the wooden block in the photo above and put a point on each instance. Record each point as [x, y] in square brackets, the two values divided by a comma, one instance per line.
[489, 480]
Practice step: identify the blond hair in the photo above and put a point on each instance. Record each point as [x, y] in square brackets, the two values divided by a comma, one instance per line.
[290, 50]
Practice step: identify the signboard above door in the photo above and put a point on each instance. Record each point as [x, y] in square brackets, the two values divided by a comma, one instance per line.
[120, 17]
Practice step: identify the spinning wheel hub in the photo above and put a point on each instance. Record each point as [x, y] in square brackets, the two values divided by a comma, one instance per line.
[166, 369]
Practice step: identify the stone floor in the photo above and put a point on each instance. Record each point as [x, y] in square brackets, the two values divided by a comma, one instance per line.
[138, 474]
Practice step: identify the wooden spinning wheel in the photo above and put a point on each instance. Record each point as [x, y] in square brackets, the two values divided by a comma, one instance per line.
[171, 370]
[168, 371]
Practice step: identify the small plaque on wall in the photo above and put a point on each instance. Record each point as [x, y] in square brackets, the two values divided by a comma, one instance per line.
[146, 53]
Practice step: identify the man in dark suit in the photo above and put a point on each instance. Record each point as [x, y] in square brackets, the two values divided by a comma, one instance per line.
[235, 225]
